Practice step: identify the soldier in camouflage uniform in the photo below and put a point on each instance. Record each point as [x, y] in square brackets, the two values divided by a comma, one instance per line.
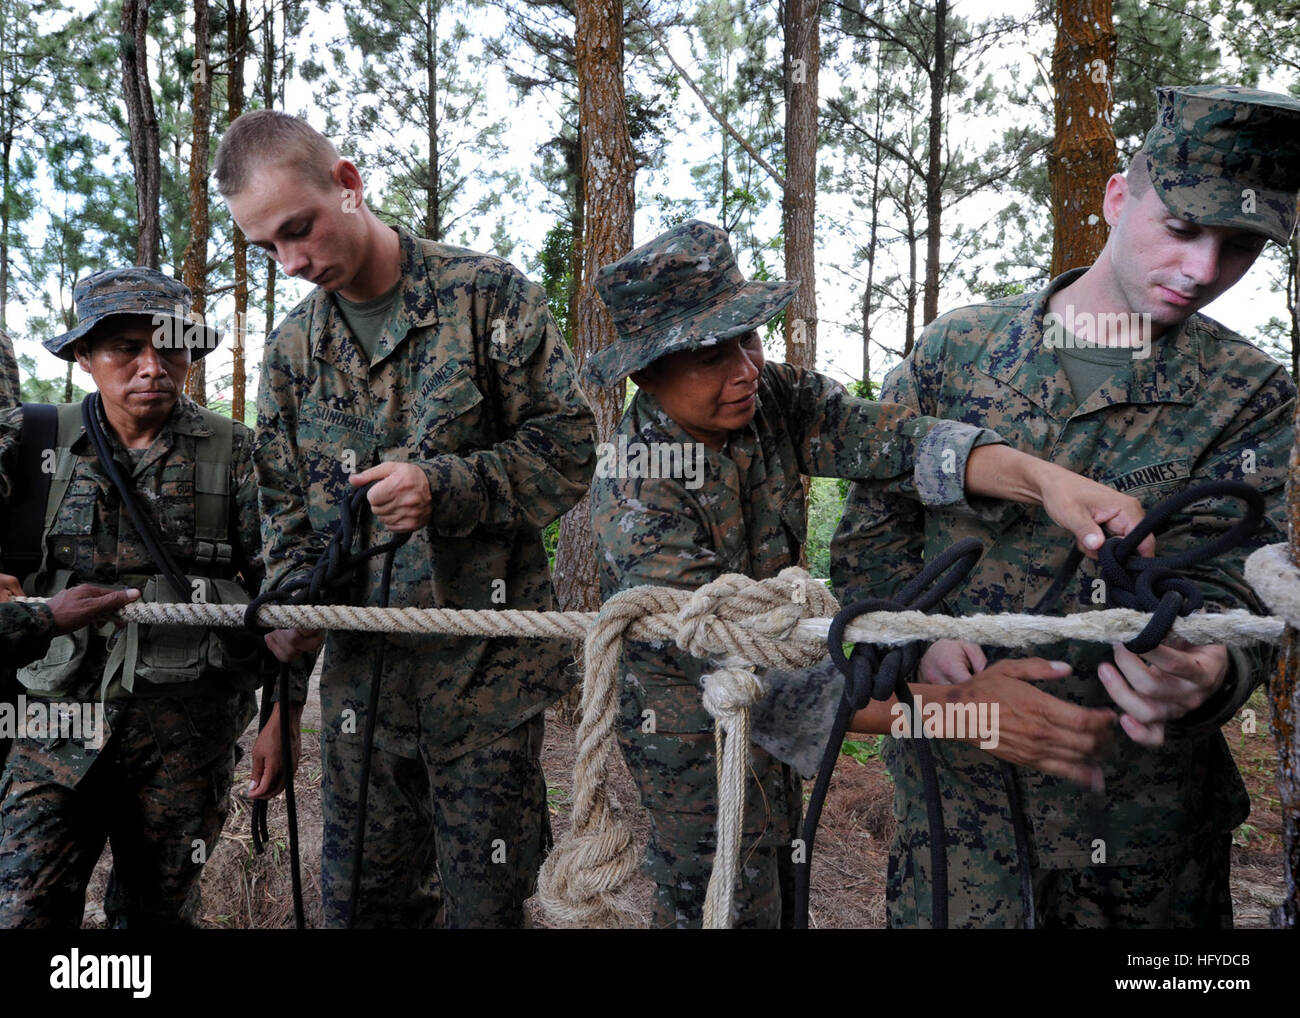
[1183, 402]
[155, 780]
[703, 478]
[439, 373]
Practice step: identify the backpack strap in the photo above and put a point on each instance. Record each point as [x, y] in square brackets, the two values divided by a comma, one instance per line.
[23, 544]
[69, 428]
[212, 547]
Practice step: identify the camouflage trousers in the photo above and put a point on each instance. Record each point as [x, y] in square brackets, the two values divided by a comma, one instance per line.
[1180, 890]
[158, 791]
[674, 768]
[455, 843]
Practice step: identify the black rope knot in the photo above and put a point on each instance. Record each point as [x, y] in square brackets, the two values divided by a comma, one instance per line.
[1153, 584]
[335, 569]
[870, 675]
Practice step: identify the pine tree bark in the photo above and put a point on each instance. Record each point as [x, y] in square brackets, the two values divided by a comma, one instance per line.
[1083, 154]
[799, 204]
[237, 49]
[194, 268]
[934, 167]
[608, 175]
[142, 123]
[1284, 690]
[269, 96]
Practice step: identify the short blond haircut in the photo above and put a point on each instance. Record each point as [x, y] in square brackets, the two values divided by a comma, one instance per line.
[270, 138]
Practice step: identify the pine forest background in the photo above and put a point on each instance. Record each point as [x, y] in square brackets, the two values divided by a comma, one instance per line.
[899, 158]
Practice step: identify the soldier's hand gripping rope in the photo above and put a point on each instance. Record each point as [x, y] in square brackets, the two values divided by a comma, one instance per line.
[330, 579]
[1131, 581]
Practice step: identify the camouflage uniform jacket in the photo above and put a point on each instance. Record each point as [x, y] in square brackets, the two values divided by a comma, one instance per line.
[25, 631]
[472, 381]
[1205, 405]
[92, 541]
[748, 514]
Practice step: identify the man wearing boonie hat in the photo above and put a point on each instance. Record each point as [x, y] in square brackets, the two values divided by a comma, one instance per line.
[703, 478]
[151, 774]
[1112, 371]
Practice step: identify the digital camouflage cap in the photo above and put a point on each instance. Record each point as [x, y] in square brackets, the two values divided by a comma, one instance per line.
[680, 291]
[137, 291]
[1224, 155]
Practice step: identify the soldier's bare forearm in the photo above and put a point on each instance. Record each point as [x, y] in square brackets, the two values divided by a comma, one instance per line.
[1080, 505]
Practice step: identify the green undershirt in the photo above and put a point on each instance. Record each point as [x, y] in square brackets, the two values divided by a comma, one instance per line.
[1088, 367]
[367, 318]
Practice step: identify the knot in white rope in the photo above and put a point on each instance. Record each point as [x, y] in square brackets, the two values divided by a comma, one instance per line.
[731, 689]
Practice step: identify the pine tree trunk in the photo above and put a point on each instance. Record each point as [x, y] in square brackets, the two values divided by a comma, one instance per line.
[799, 206]
[1083, 154]
[608, 173]
[269, 95]
[934, 167]
[433, 205]
[194, 268]
[237, 48]
[143, 125]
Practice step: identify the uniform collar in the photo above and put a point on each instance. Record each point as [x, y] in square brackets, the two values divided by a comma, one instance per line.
[185, 419]
[1017, 356]
[414, 308]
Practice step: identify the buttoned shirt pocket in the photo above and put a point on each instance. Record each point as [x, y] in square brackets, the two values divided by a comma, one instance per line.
[332, 445]
[451, 418]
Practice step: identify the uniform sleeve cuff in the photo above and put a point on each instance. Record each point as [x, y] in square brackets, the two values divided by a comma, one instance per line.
[456, 496]
[940, 473]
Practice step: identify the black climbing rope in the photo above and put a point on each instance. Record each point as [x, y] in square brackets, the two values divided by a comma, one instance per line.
[1149, 585]
[1131, 581]
[329, 581]
[870, 674]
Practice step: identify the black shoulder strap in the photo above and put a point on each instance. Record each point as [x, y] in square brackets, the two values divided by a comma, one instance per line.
[25, 514]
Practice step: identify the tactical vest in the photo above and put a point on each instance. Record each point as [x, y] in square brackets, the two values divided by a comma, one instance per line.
[147, 659]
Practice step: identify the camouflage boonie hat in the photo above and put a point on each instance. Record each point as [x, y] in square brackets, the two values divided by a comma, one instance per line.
[137, 291]
[680, 291]
[1224, 155]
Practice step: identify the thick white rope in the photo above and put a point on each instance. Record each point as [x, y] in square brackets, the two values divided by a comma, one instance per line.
[735, 618]
[729, 692]
[1276, 580]
[781, 622]
[1110, 625]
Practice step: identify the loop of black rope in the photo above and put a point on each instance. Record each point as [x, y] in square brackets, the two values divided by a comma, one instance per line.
[1153, 584]
[1131, 581]
[870, 675]
[330, 578]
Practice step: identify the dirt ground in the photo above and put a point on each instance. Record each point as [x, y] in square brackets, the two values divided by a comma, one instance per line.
[242, 890]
